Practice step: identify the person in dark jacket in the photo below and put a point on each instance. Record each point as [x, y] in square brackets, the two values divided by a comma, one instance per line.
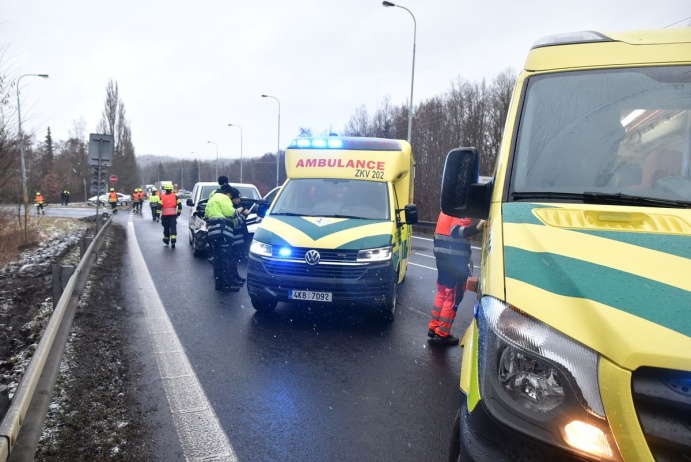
[452, 253]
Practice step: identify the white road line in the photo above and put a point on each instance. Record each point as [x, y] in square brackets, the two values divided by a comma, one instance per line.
[200, 433]
[421, 266]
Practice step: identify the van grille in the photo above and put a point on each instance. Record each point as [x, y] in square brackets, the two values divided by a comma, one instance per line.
[662, 398]
[327, 255]
[302, 269]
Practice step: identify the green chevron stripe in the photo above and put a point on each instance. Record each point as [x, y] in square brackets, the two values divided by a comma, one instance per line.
[666, 243]
[521, 212]
[624, 291]
[368, 242]
[317, 232]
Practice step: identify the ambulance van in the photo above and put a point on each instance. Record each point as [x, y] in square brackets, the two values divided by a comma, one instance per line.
[339, 230]
[580, 342]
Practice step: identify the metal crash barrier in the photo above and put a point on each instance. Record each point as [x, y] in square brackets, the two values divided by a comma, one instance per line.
[19, 404]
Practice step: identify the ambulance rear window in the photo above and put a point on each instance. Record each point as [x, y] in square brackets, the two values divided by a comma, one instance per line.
[346, 143]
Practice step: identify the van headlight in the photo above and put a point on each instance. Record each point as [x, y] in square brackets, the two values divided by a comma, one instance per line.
[369, 255]
[259, 248]
[539, 381]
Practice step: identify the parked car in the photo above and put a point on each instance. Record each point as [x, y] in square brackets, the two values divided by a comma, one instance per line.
[123, 199]
[200, 192]
[271, 195]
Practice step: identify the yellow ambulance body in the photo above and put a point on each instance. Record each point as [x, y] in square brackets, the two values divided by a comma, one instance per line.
[339, 230]
[580, 345]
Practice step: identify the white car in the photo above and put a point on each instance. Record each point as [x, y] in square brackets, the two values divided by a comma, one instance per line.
[250, 195]
[123, 199]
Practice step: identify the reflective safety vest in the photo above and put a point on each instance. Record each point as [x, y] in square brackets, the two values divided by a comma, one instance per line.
[169, 203]
[448, 237]
[112, 197]
[39, 199]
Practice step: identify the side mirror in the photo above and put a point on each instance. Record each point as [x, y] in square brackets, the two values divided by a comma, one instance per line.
[461, 193]
[262, 208]
[189, 202]
[411, 214]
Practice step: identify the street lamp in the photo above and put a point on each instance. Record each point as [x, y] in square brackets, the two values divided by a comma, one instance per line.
[278, 148]
[234, 125]
[216, 156]
[412, 78]
[21, 145]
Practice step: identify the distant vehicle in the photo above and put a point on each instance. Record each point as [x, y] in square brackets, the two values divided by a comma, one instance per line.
[184, 194]
[200, 192]
[123, 199]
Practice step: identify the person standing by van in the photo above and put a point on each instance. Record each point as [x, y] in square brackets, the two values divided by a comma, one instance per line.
[452, 253]
[221, 216]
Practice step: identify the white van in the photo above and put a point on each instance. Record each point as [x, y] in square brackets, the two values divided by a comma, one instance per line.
[202, 190]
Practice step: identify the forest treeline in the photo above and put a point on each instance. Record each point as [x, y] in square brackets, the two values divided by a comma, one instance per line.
[467, 114]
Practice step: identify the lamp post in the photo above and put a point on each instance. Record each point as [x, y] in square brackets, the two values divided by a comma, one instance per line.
[235, 125]
[278, 148]
[212, 142]
[21, 148]
[412, 78]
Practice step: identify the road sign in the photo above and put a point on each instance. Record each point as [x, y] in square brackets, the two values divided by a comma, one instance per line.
[101, 149]
[113, 179]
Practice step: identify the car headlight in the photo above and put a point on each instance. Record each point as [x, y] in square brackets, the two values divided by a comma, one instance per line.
[380, 254]
[259, 248]
[539, 381]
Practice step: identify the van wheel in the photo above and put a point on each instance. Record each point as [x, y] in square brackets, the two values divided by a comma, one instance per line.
[455, 445]
[389, 310]
[263, 305]
[191, 239]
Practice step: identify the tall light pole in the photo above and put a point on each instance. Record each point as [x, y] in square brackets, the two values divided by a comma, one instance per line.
[412, 78]
[199, 167]
[212, 142]
[278, 148]
[21, 150]
[235, 125]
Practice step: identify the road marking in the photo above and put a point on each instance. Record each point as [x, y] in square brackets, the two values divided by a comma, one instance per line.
[421, 266]
[200, 433]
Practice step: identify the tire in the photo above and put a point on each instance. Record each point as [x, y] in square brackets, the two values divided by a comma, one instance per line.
[123, 203]
[389, 310]
[191, 237]
[455, 443]
[263, 305]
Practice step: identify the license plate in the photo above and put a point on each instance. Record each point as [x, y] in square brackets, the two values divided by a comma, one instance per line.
[310, 296]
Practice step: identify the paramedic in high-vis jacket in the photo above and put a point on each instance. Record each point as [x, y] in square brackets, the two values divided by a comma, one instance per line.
[221, 217]
[452, 253]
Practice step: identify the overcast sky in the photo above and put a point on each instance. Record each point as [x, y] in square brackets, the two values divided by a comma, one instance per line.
[186, 70]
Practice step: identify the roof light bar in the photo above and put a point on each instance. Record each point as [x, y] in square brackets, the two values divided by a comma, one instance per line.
[348, 143]
[586, 36]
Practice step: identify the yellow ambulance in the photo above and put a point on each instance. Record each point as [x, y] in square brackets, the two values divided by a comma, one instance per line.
[339, 231]
[580, 343]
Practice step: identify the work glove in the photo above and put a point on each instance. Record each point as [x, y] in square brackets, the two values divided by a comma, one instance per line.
[179, 212]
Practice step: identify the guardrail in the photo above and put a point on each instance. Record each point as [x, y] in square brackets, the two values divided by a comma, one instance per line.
[16, 414]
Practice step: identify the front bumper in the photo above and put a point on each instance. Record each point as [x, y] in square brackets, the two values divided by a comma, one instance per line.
[483, 439]
[361, 284]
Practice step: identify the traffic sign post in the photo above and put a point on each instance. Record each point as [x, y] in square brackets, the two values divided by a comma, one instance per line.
[113, 179]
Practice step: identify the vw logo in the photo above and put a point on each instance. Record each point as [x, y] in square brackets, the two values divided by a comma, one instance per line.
[312, 257]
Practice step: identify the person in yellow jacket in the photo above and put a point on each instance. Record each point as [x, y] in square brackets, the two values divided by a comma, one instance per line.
[222, 218]
[171, 208]
[38, 200]
[155, 204]
[113, 200]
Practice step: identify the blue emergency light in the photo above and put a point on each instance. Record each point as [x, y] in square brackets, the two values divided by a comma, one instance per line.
[352, 143]
[285, 251]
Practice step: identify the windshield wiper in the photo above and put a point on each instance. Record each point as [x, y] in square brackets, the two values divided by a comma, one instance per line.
[546, 195]
[591, 197]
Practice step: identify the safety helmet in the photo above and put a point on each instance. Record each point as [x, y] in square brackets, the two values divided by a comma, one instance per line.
[168, 187]
[111, 189]
[38, 193]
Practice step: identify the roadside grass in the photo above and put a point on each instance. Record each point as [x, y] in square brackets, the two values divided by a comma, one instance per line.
[39, 230]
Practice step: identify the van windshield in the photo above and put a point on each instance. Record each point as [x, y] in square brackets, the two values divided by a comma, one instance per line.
[334, 198]
[621, 131]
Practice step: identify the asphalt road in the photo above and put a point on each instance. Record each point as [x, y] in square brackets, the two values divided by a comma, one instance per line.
[305, 383]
